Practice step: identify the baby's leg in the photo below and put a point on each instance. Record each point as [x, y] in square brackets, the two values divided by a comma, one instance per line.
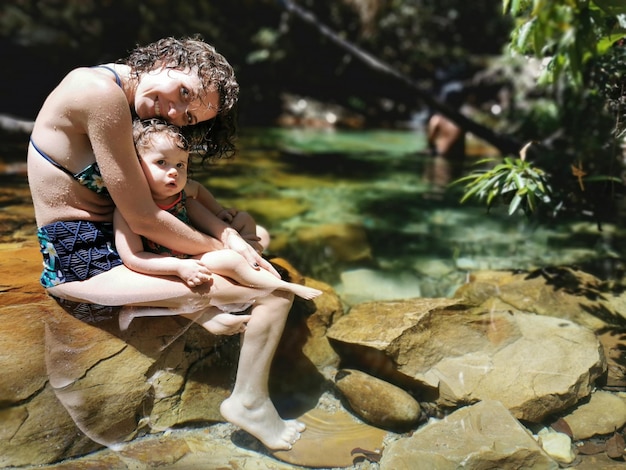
[231, 264]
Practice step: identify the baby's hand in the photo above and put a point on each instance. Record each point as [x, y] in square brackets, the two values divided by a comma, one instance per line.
[227, 215]
[193, 272]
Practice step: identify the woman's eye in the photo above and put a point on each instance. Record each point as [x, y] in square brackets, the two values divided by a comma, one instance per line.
[184, 92]
[189, 118]
[161, 162]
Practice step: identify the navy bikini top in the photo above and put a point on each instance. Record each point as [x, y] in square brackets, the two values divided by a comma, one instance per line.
[89, 177]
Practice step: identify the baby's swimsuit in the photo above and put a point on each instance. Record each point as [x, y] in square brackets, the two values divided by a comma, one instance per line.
[77, 250]
[179, 210]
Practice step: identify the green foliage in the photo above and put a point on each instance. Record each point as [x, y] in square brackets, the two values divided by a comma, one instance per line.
[567, 33]
[514, 181]
[576, 111]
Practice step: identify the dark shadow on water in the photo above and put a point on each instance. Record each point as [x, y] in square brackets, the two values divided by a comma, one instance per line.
[338, 165]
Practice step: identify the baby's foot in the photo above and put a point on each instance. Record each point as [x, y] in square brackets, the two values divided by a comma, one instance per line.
[305, 292]
[223, 323]
[264, 423]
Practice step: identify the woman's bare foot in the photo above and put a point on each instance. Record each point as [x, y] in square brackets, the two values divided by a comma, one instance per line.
[222, 323]
[305, 292]
[263, 422]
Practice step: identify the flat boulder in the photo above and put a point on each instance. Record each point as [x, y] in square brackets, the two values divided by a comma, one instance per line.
[535, 365]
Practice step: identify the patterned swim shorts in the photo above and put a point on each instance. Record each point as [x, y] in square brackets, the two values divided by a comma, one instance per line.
[76, 250]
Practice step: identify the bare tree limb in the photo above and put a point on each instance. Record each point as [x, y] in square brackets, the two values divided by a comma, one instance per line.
[15, 125]
[504, 143]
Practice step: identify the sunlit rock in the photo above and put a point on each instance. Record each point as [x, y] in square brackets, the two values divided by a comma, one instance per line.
[377, 402]
[558, 292]
[534, 365]
[604, 413]
[557, 445]
[484, 435]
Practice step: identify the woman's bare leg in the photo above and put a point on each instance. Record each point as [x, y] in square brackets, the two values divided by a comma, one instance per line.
[249, 405]
[231, 264]
[122, 286]
[160, 296]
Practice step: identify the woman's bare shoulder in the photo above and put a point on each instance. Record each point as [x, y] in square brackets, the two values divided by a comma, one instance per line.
[88, 84]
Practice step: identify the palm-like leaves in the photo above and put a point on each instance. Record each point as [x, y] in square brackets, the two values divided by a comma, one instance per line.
[513, 181]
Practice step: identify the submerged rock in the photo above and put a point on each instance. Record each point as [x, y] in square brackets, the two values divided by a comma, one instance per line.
[484, 435]
[334, 439]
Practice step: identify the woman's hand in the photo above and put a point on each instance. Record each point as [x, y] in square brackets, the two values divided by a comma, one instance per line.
[235, 242]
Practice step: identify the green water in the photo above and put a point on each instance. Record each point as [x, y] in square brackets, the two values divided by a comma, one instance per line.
[306, 186]
[351, 208]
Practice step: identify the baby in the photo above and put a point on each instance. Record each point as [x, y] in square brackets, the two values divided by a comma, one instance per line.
[164, 157]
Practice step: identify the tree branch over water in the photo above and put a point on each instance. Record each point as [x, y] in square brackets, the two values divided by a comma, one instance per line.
[504, 143]
[14, 125]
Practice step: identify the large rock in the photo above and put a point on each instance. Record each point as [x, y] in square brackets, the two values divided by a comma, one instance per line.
[534, 365]
[73, 382]
[557, 292]
[481, 436]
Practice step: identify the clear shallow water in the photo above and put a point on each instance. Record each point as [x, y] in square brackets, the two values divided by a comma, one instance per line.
[351, 208]
[371, 181]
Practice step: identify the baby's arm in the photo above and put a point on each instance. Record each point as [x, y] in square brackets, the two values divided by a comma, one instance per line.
[196, 191]
[239, 220]
[131, 251]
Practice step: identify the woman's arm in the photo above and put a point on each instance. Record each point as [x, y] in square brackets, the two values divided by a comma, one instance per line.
[208, 222]
[130, 248]
[104, 114]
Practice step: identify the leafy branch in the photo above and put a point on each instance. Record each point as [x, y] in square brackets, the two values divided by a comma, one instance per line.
[514, 181]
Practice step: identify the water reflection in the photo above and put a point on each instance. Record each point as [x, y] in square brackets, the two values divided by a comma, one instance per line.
[92, 399]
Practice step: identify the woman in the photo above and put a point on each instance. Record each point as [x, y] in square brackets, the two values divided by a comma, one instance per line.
[82, 165]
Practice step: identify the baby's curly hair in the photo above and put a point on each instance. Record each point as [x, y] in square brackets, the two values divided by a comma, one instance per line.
[144, 130]
[212, 139]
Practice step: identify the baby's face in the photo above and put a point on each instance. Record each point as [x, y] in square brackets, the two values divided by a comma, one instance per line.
[165, 167]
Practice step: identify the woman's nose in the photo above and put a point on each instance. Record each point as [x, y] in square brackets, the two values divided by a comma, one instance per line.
[177, 112]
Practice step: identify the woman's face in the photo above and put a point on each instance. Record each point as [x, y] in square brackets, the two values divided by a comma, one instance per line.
[175, 96]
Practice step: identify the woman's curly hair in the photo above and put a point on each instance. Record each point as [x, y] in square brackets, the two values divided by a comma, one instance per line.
[212, 139]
